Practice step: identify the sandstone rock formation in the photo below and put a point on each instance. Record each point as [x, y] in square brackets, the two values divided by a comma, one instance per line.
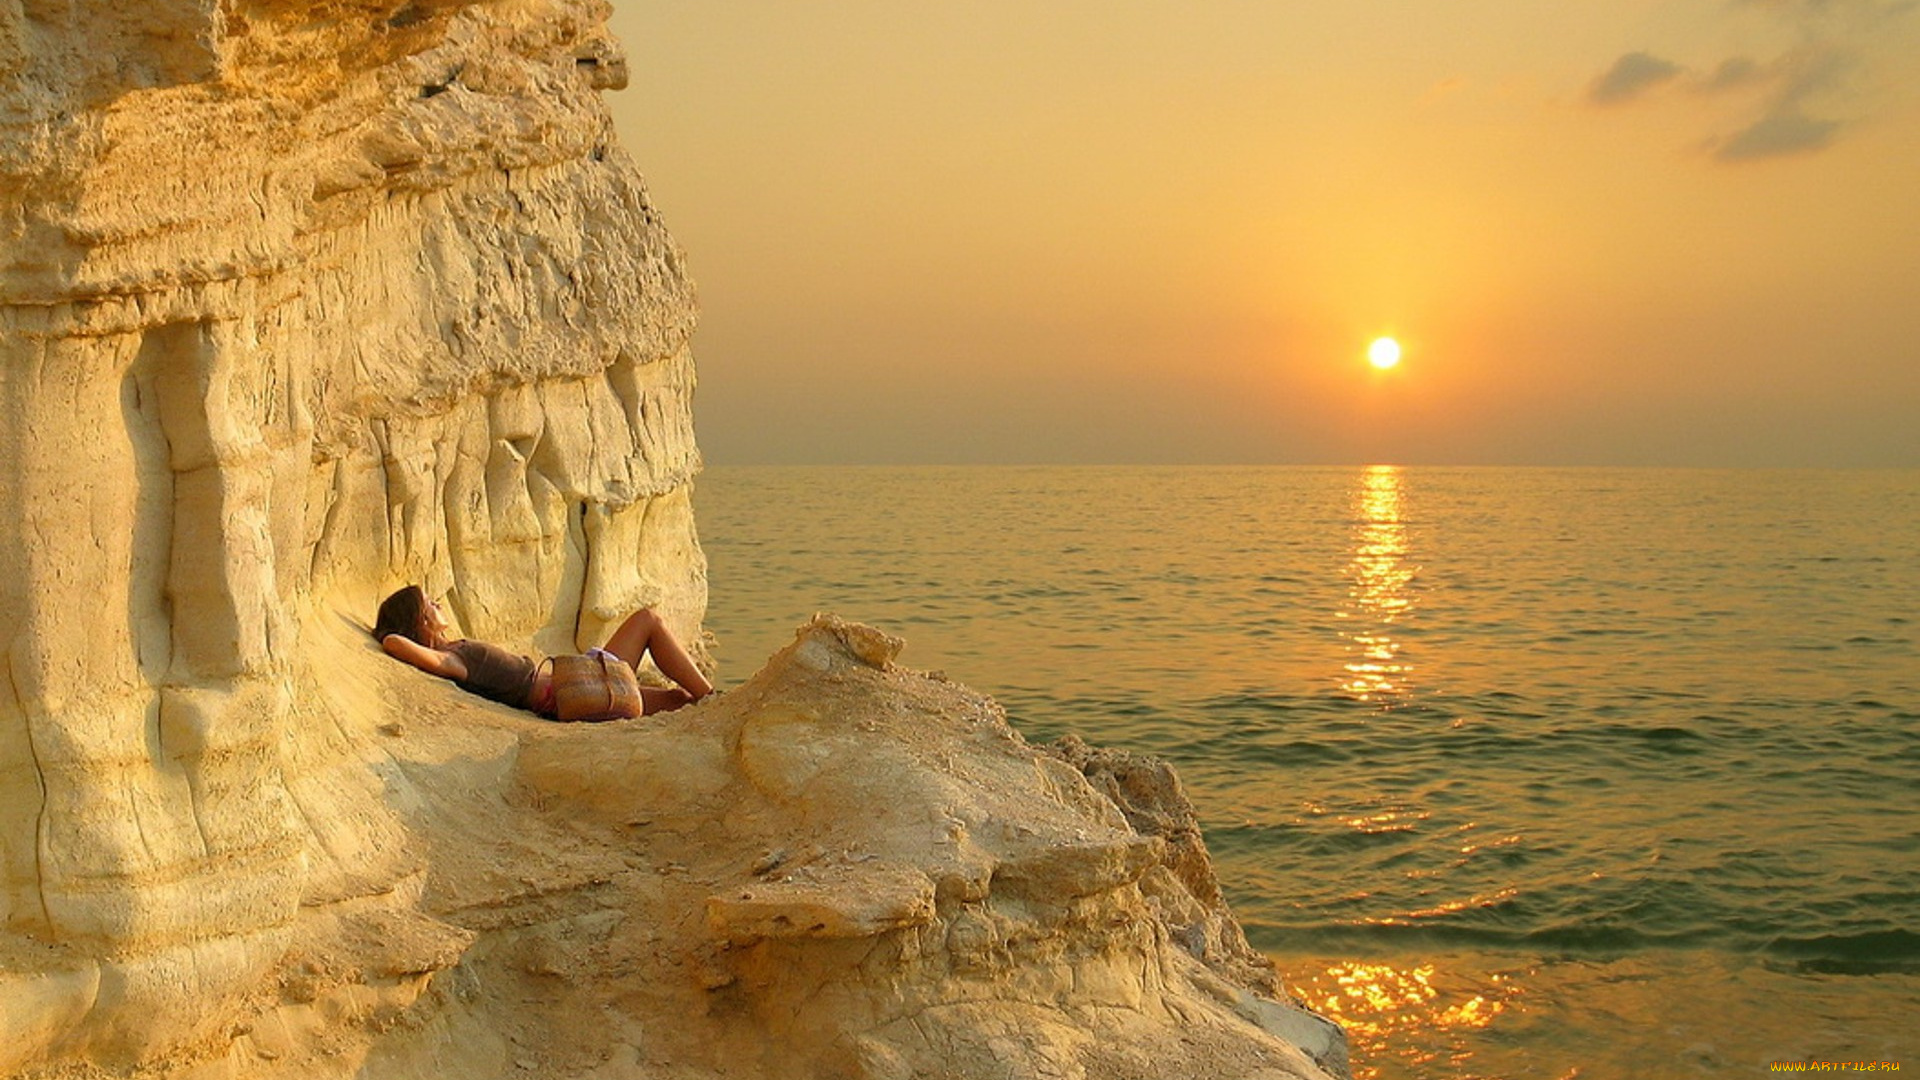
[304, 299]
[298, 301]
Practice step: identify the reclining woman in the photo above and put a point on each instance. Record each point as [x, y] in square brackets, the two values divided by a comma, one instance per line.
[411, 627]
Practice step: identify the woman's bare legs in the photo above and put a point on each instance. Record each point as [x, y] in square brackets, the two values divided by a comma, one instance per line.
[644, 633]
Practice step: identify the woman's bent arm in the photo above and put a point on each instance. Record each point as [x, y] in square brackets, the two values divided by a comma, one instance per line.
[432, 661]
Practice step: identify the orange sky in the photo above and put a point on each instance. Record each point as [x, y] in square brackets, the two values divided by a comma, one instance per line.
[1606, 233]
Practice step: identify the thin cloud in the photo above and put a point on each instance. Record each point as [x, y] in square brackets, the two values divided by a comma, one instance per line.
[1733, 73]
[1778, 134]
[1812, 70]
[1786, 127]
[1631, 76]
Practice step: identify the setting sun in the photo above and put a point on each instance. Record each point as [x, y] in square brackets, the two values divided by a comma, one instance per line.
[1383, 353]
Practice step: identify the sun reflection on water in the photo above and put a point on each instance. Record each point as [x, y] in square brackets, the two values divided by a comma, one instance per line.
[1403, 1017]
[1379, 588]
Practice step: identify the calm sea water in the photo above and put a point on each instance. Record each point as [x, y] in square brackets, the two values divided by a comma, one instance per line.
[1518, 773]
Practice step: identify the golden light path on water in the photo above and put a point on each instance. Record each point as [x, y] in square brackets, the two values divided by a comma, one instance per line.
[1389, 1009]
[1379, 596]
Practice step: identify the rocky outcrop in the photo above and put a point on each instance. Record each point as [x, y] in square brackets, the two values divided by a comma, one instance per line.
[304, 299]
[840, 869]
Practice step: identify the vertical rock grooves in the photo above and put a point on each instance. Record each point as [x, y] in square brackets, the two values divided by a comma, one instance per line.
[38, 919]
[299, 300]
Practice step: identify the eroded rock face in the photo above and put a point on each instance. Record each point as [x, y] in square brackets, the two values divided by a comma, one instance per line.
[298, 301]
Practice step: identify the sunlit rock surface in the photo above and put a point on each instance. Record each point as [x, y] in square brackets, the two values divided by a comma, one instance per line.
[300, 301]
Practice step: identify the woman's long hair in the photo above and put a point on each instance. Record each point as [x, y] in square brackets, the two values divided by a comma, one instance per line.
[403, 613]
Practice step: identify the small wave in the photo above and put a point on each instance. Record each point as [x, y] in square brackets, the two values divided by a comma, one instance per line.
[1258, 702]
[1611, 940]
[1663, 739]
[1430, 935]
[1311, 842]
[1871, 952]
[1674, 740]
[1301, 752]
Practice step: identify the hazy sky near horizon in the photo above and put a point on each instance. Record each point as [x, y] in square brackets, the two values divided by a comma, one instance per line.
[1605, 231]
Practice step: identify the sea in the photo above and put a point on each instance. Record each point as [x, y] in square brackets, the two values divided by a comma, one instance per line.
[1514, 772]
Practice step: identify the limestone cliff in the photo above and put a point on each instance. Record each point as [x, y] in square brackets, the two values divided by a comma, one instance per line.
[299, 301]
[304, 299]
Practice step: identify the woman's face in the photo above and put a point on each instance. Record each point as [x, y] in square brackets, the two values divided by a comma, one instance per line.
[435, 622]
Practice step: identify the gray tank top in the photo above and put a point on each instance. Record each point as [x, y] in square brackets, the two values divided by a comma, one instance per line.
[494, 673]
